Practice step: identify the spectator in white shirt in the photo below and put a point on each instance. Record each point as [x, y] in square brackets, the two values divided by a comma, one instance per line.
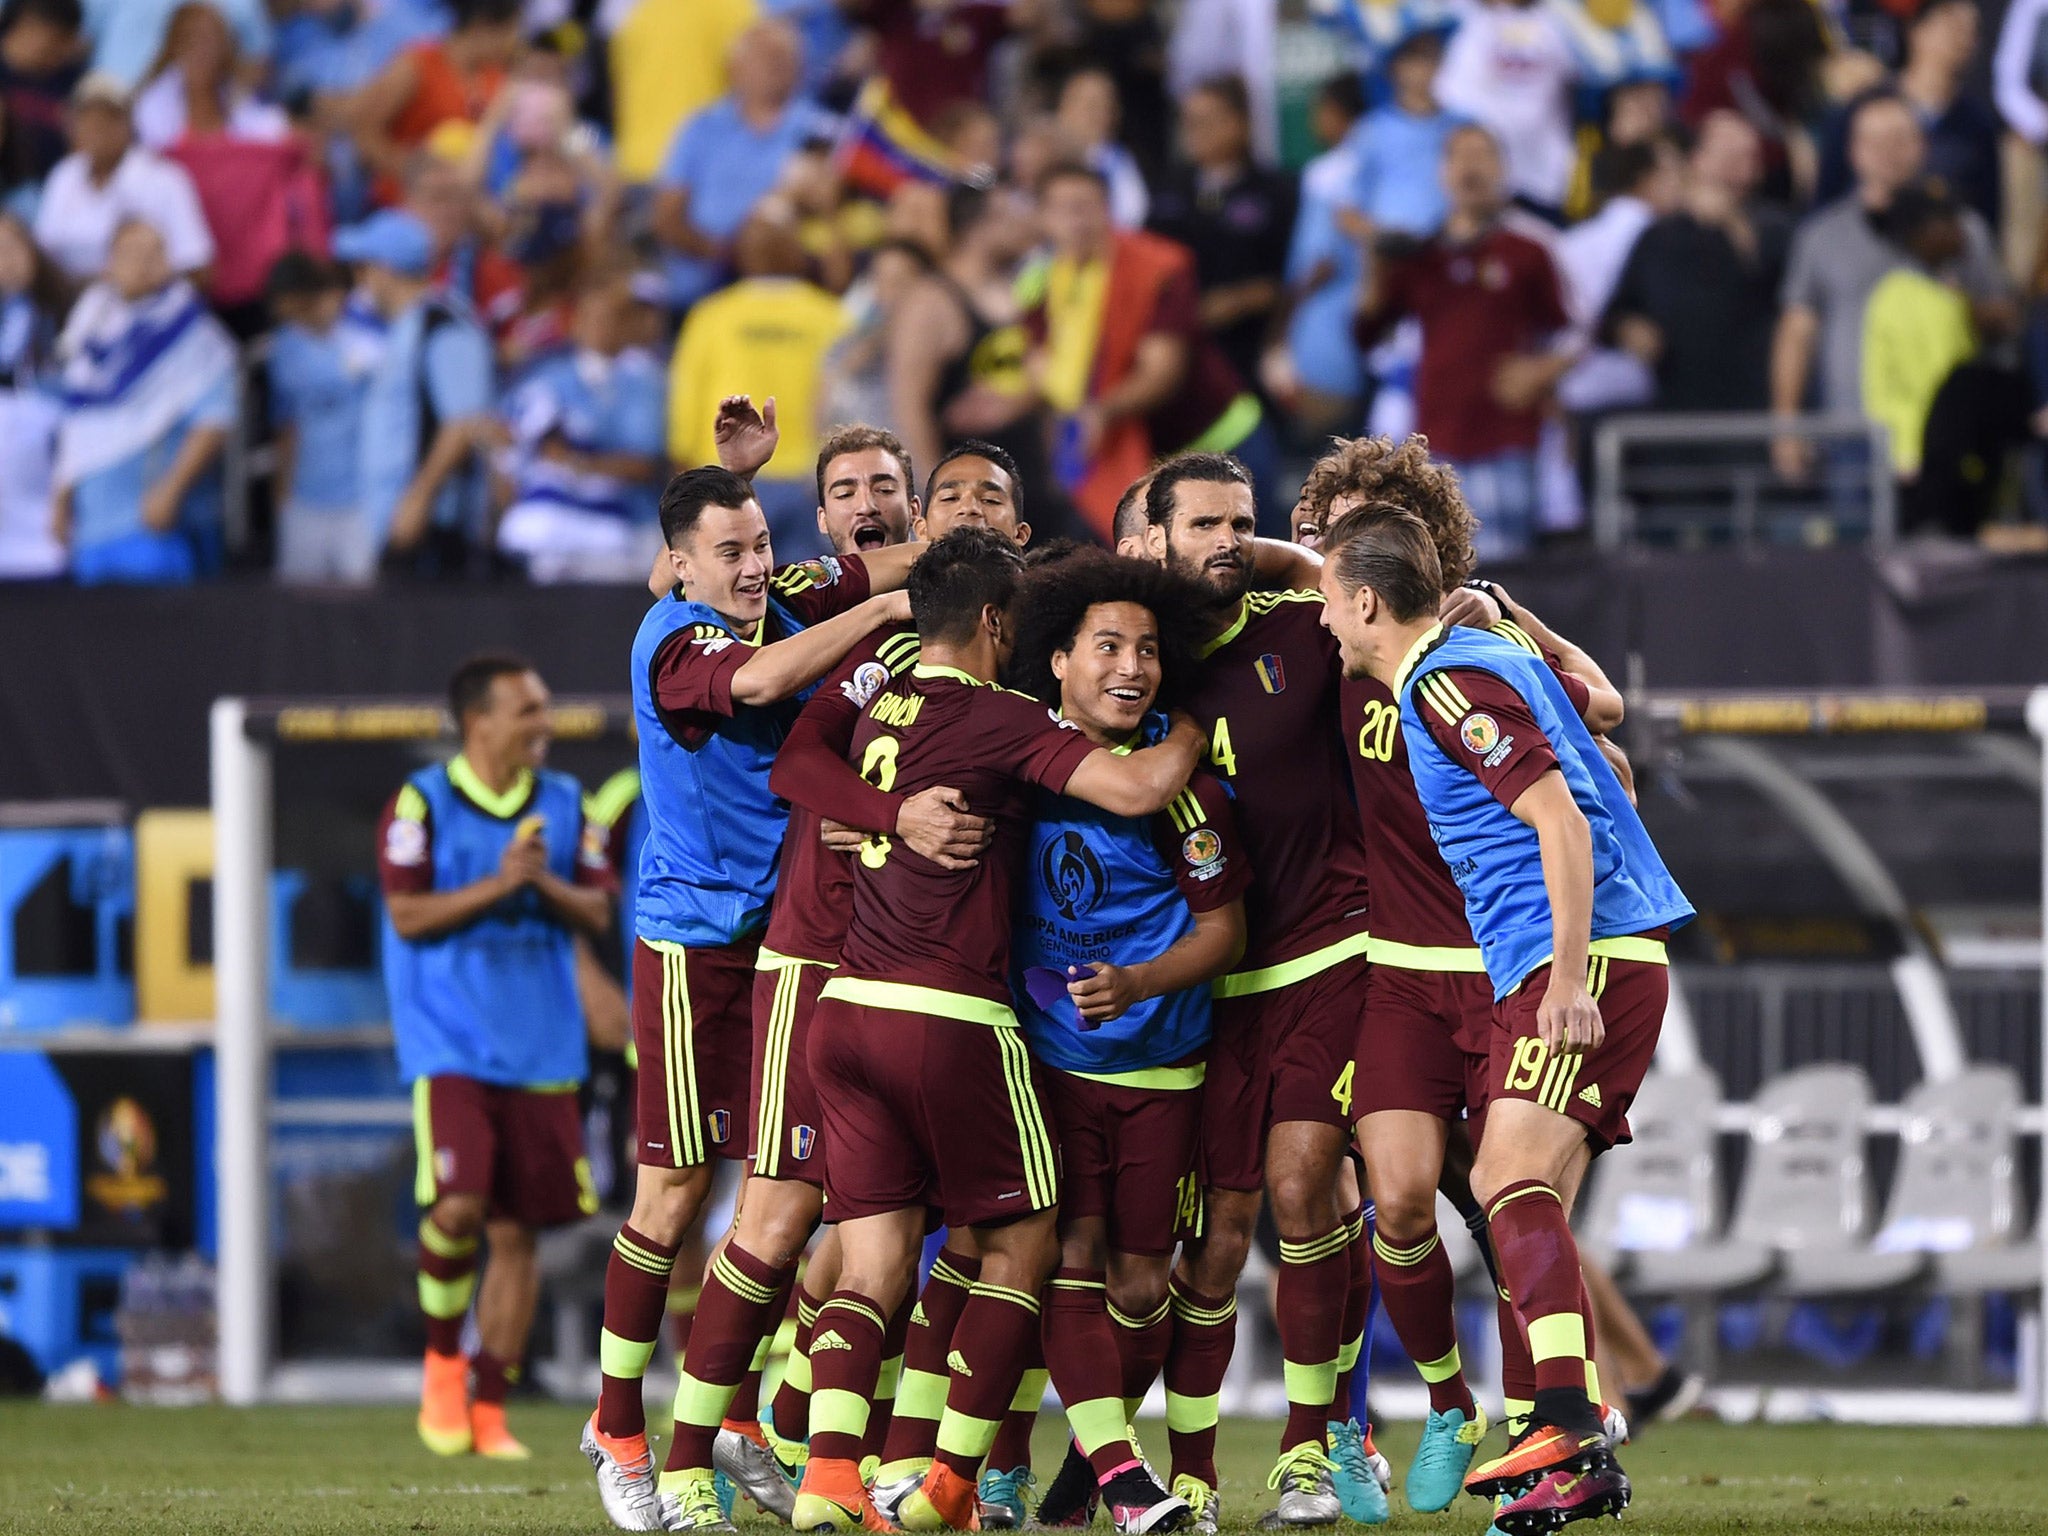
[1510, 68]
[108, 178]
[194, 86]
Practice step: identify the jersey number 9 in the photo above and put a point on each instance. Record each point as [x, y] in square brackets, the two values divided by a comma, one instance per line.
[878, 767]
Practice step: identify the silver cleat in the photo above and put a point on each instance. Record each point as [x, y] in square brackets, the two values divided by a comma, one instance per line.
[1308, 1490]
[626, 1489]
[756, 1471]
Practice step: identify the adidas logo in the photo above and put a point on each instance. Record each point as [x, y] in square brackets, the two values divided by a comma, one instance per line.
[958, 1362]
[917, 1317]
[1591, 1094]
[829, 1339]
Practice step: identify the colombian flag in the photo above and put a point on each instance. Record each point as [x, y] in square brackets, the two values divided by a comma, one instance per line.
[881, 146]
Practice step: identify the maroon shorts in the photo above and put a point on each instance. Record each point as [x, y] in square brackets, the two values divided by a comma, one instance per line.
[1597, 1087]
[921, 1110]
[519, 1148]
[1424, 1043]
[1129, 1155]
[693, 1027]
[786, 1142]
[1278, 1056]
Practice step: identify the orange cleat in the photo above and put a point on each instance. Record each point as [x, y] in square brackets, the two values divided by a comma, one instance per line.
[944, 1501]
[1546, 1450]
[444, 1405]
[490, 1437]
[832, 1497]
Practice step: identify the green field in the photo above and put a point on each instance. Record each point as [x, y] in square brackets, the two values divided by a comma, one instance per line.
[139, 1471]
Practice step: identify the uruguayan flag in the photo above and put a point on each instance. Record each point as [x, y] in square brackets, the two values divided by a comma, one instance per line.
[131, 371]
[1379, 27]
[1614, 40]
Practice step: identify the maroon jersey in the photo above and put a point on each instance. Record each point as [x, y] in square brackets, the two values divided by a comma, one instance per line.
[1524, 753]
[814, 892]
[1414, 899]
[914, 923]
[1267, 699]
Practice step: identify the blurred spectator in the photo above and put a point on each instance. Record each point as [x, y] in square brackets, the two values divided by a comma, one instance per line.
[1088, 117]
[1838, 257]
[1766, 66]
[1214, 38]
[827, 33]
[727, 158]
[956, 350]
[1490, 305]
[1916, 327]
[667, 63]
[1962, 132]
[1121, 357]
[1398, 149]
[1698, 298]
[320, 365]
[1636, 184]
[194, 86]
[29, 547]
[768, 335]
[128, 35]
[589, 450]
[934, 53]
[149, 399]
[426, 412]
[1510, 67]
[2019, 72]
[42, 56]
[1235, 217]
[108, 178]
[1320, 373]
[856, 386]
[836, 230]
[452, 79]
[467, 264]
[1126, 38]
[332, 48]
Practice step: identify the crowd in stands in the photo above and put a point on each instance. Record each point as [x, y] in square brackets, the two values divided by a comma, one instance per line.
[354, 290]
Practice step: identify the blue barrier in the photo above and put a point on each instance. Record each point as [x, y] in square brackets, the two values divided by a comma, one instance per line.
[60, 1304]
[43, 991]
[316, 999]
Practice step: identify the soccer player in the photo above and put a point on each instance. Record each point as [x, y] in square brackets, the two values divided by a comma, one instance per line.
[488, 877]
[1424, 1036]
[1571, 905]
[717, 668]
[1123, 925]
[1277, 1103]
[928, 1093]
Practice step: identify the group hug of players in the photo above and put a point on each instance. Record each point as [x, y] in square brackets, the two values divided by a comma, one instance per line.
[1078, 903]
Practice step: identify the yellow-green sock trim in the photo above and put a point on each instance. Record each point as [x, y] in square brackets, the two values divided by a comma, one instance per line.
[1124, 1320]
[761, 1351]
[1516, 1412]
[702, 1403]
[1099, 1422]
[1559, 1336]
[1188, 1415]
[443, 1299]
[683, 1299]
[887, 1377]
[796, 1375]
[624, 1358]
[1016, 1298]
[1310, 1383]
[838, 1411]
[443, 1246]
[1030, 1394]
[668, 1481]
[1188, 1312]
[1442, 1369]
[1313, 1249]
[962, 1434]
[1593, 1381]
[1347, 1357]
[858, 1308]
[1404, 1258]
[641, 1258]
[729, 1275]
[920, 1394]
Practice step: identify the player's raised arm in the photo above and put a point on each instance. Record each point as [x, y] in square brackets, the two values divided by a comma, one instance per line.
[1140, 783]
[787, 667]
[1277, 563]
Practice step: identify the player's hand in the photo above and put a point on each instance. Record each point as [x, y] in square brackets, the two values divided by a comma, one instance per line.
[893, 607]
[159, 509]
[1568, 1018]
[936, 823]
[839, 837]
[1521, 381]
[746, 438]
[524, 861]
[1472, 608]
[1185, 731]
[1110, 993]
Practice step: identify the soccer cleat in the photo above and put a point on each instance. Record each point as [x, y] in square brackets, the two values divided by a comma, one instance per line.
[1204, 1503]
[1137, 1504]
[625, 1478]
[889, 1495]
[1547, 1448]
[833, 1498]
[757, 1472]
[1449, 1441]
[1600, 1488]
[1381, 1472]
[1614, 1423]
[488, 1433]
[444, 1405]
[1001, 1495]
[1071, 1500]
[944, 1501]
[1359, 1493]
[1672, 1395]
[1305, 1477]
[689, 1503]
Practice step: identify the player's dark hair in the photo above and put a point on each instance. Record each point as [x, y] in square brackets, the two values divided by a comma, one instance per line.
[469, 690]
[686, 497]
[302, 275]
[1381, 546]
[1070, 170]
[64, 15]
[975, 448]
[967, 571]
[1186, 468]
[1130, 519]
[858, 438]
[1062, 584]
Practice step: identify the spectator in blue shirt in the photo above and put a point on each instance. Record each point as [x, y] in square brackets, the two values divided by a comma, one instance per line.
[129, 34]
[321, 360]
[1324, 267]
[427, 411]
[589, 432]
[1399, 149]
[728, 157]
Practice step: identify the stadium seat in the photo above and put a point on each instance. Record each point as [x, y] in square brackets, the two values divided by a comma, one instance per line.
[1655, 1210]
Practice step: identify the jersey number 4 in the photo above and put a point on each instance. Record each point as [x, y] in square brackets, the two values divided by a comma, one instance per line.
[878, 767]
[1221, 752]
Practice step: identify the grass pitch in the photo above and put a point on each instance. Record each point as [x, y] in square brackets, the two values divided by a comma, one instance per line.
[311, 1471]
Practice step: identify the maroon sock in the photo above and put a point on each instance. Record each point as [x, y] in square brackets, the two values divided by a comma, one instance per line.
[1204, 1333]
[1309, 1308]
[1013, 1440]
[742, 1299]
[792, 1408]
[635, 1298]
[448, 1261]
[491, 1378]
[847, 1358]
[997, 1333]
[1540, 1262]
[682, 1316]
[933, 1319]
[1081, 1357]
[1417, 1287]
[1517, 1370]
[883, 1414]
[1141, 1345]
[1357, 1303]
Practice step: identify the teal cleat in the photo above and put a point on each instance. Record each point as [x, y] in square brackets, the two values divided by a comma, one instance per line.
[1359, 1493]
[723, 1490]
[1001, 1497]
[1437, 1474]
